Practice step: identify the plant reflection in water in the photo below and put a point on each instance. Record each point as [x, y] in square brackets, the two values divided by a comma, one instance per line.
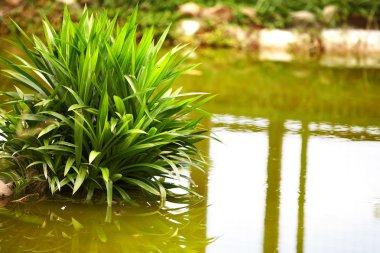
[48, 226]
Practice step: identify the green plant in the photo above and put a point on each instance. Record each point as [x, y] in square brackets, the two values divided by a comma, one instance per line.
[101, 114]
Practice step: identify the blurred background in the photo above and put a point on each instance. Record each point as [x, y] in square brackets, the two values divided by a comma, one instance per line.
[254, 13]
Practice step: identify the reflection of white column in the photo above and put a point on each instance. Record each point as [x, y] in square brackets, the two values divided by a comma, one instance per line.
[341, 183]
[289, 192]
[236, 191]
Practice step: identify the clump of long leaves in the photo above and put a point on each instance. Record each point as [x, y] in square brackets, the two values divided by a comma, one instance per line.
[100, 112]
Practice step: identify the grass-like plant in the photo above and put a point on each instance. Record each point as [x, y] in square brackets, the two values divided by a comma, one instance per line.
[99, 111]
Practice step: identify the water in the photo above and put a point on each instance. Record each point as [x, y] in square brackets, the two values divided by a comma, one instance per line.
[298, 170]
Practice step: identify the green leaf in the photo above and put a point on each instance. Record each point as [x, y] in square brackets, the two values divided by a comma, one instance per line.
[162, 193]
[93, 155]
[108, 183]
[78, 139]
[123, 193]
[109, 187]
[54, 148]
[143, 185]
[34, 117]
[68, 165]
[76, 106]
[27, 80]
[103, 111]
[48, 129]
[105, 173]
[120, 108]
[116, 177]
[32, 164]
[81, 176]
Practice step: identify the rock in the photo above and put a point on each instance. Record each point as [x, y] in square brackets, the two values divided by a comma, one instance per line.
[189, 27]
[240, 35]
[218, 13]
[303, 17]
[357, 41]
[285, 40]
[252, 41]
[249, 12]
[242, 38]
[330, 13]
[190, 8]
[237, 34]
[276, 39]
[13, 2]
[5, 189]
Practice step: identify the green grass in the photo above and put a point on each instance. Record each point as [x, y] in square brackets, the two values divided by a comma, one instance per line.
[98, 112]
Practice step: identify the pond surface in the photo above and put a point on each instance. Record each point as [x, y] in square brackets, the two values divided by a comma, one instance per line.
[298, 170]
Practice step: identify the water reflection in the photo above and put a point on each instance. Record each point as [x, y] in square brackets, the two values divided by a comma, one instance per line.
[69, 227]
[237, 191]
[250, 88]
[200, 178]
[298, 171]
[272, 207]
[302, 187]
[293, 186]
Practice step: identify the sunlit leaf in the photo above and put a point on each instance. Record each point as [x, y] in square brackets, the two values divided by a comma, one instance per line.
[79, 179]
[93, 155]
[68, 165]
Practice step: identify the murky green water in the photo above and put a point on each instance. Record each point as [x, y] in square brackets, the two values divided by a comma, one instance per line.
[298, 171]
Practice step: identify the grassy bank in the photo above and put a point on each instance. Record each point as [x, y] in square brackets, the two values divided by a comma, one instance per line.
[256, 13]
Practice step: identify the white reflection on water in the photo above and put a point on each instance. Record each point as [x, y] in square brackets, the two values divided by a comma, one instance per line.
[237, 191]
[240, 120]
[290, 173]
[342, 196]
[343, 183]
